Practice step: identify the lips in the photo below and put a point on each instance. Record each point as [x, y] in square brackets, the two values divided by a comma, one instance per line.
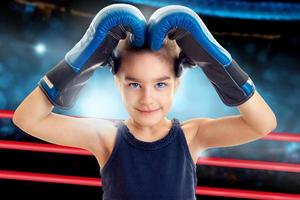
[148, 110]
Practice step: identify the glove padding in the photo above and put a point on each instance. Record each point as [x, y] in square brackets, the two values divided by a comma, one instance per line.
[63, 83]
[199, 47]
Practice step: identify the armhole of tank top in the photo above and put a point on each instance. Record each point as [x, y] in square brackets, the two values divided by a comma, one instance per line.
[114, 151]
[185, 146]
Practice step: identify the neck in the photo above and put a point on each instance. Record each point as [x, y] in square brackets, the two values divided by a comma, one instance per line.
[149, 130]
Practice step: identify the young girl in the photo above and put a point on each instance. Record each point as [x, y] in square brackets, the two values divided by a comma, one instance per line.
[146, 156]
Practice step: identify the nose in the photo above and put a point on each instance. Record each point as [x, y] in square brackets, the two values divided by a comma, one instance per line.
[147, 96]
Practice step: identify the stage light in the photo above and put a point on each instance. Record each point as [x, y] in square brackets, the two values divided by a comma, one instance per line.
[40, 48]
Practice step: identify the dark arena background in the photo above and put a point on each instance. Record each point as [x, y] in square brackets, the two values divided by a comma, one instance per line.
[263, 36]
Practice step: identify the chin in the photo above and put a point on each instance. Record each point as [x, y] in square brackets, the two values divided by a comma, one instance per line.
[151, 120]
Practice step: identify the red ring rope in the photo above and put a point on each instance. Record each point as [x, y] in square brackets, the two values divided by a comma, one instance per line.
[223, 162]
[200, 190]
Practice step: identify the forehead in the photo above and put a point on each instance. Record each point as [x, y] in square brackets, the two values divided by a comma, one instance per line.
[145, 66]
[139, 79]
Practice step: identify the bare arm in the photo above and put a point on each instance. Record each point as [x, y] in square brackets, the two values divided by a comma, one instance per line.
[32, 109]
[256, 120]
[35, 117]
[258, 115]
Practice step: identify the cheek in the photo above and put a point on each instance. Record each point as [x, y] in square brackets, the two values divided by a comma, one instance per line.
[165, 97]
[130, 96]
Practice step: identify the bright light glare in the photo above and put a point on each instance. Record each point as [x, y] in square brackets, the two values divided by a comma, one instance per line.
[40, 48]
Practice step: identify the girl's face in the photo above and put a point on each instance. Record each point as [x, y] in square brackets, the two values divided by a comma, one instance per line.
[147, 85]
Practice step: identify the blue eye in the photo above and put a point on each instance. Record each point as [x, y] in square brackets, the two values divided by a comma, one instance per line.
[162, 84]
[133, 84]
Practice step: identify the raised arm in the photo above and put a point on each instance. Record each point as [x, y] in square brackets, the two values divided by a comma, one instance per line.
[233, 85]
[63, 83]
[35, 117]
[256, 120]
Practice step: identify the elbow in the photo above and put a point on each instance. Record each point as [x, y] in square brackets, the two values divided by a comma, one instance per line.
[269, 126]
[269, 129]
[18, 119]
[15, 119]
[20, 122]
[273, 123]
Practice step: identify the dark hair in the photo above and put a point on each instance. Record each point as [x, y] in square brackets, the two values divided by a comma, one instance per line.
[170, 51]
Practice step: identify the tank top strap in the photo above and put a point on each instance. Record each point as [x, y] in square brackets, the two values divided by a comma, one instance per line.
[185, 145]
[118, 138]
[176, 122]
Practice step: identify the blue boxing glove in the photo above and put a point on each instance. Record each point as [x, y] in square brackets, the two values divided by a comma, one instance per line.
[199, 47]
[63, 83]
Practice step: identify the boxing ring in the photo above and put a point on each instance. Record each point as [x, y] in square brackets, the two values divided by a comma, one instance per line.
[200, 190]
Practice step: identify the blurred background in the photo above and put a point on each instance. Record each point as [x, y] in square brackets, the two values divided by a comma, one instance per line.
[262, 36]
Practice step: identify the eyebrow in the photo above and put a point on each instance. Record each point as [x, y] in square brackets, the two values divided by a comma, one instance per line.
[128, 78]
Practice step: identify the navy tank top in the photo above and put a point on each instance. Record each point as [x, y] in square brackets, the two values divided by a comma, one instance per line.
[163, 169]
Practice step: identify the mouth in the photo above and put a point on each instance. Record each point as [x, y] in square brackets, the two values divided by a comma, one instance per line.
[148, 111]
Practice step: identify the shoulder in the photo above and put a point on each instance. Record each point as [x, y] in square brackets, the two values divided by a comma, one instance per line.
[192, 126]
[106, 131]
[194, 123]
